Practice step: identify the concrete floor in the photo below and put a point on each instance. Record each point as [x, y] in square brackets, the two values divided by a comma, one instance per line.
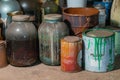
[44, 72]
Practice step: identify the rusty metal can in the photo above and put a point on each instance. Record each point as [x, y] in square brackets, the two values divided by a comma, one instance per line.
[3, 57]
[71, 54]
[99, 50]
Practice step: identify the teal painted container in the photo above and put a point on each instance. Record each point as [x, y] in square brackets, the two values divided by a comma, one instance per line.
[99, 50]
[117, 39]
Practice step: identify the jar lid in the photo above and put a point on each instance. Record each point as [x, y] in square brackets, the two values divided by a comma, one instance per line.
[53, 16]
[21, 18]
[15, 13]
[72, 39]
[100, 33]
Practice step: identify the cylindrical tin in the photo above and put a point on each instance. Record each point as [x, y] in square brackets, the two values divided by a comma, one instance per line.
[71, 54]
[99, 50]
[117, 39]
[3, 57]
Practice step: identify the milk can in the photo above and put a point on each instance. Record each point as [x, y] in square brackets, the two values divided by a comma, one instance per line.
[21, 41]
[50, 32]
[71, 54]
[99, 50]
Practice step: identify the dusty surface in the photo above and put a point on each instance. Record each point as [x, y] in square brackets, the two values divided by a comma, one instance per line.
[44, 72]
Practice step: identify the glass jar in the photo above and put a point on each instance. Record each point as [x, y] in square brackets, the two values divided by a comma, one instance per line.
[50, 32]
[49, 7]
[21, 41]
[33, 8]
[102, 15]
[8, 6]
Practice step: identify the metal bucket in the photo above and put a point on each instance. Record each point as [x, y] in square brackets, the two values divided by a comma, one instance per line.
[99, 50]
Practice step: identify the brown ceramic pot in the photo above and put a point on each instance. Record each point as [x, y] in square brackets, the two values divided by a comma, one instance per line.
[80, 19]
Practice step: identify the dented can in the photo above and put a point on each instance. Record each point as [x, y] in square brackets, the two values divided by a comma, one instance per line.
[71, 55]
[99, 50]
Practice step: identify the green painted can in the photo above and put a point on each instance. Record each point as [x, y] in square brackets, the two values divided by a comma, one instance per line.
[99, 50]
[117, 39]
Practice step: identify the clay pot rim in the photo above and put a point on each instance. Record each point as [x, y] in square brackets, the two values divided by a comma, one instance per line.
[85, 8]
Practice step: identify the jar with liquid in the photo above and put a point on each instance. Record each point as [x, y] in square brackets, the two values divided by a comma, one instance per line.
[21, 37]
[50, 32]
[102, 15]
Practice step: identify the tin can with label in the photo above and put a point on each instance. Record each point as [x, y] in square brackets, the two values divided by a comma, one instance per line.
[99, 50]
[71, 55]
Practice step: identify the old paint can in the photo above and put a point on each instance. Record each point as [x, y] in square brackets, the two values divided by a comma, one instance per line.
[71, 54]
[99, 50]
[117, 38]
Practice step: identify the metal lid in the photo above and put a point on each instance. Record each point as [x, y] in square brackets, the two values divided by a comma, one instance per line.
[99, 33]
[15, 13]
[21, 18]
[53, 17]
[72, 39]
